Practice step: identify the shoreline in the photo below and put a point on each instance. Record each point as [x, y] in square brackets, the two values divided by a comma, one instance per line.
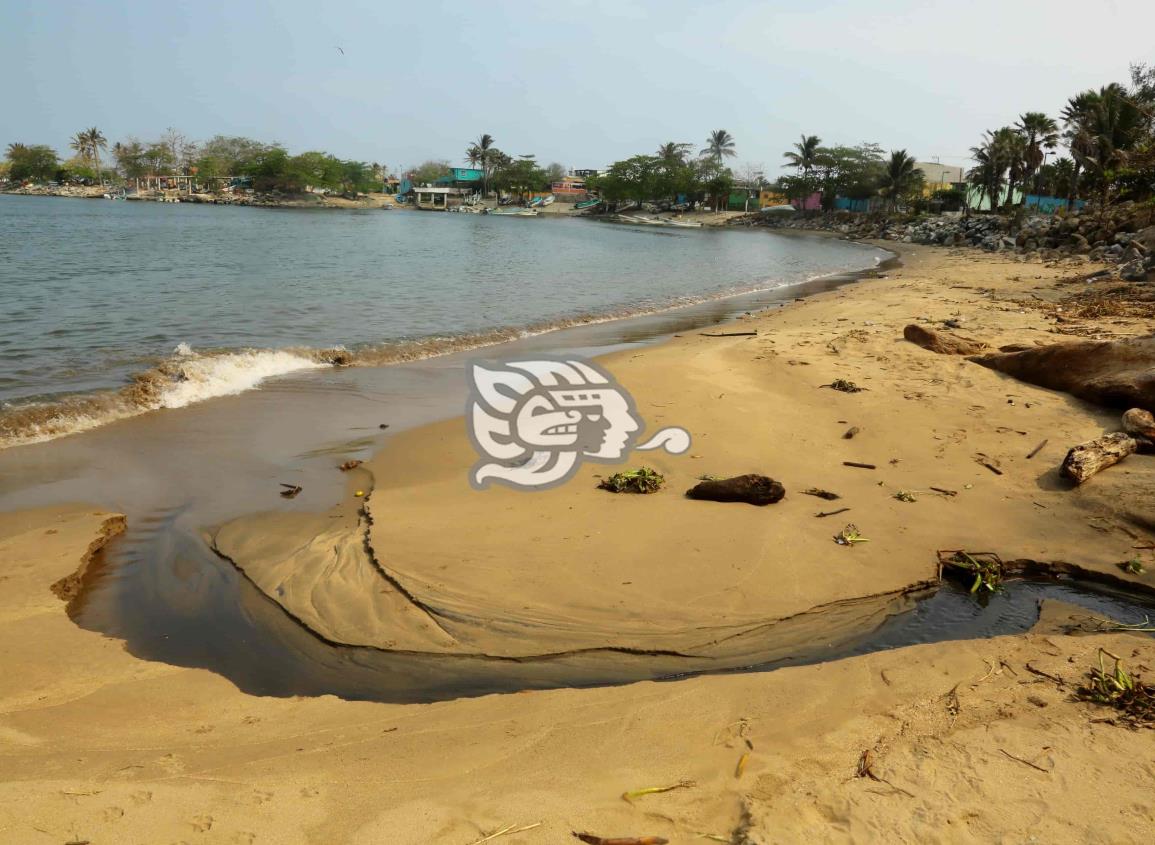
[773, 755]
[149, 390]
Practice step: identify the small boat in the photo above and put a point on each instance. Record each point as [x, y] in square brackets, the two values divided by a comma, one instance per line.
[536, 201]
[582, 206]
[515, 212]
[548, 200]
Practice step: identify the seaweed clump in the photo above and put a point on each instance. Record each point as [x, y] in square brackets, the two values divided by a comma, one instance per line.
[640, 480]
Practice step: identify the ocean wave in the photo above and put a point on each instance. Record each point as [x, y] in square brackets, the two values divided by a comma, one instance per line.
[188, 376]
[183, 379]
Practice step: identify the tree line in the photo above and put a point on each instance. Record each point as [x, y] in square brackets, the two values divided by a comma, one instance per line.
[266, 166]
[1109, 136]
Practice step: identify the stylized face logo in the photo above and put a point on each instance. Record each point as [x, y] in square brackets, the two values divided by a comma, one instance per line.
[534, 421]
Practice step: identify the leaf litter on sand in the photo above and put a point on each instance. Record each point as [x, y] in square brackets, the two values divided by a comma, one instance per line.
[508, 830]
[629, 797]
[1119, 689]
[849, 536]
[640, 480]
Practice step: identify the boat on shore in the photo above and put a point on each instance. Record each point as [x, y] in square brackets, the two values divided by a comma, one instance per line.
[586, 205]
[638, 220]
[514, 212]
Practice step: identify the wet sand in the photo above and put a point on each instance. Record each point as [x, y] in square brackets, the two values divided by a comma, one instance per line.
[111, 747]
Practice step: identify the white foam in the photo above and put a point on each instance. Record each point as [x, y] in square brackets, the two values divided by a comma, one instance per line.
[210, 376]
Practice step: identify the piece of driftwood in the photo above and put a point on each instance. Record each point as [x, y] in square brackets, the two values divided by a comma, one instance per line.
[944, 343]
[620, 840]
[753, 489]
[1037, 449]
[1096, 455]
[850, 432]
[290, 491]
[727, 334]
[822, 494]
[822, 514]
[858, 465]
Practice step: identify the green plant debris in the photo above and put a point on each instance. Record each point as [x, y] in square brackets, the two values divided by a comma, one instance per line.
[821, 494]
[905, 496]
[849, 536]
[708, 477]
[640, 480]
[985, 567]
[1134, 566]
[1119, 689]
[655, 790]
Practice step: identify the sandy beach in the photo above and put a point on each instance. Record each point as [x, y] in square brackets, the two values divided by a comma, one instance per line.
[967, 741]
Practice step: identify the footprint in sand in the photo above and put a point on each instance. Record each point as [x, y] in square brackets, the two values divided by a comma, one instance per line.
[243, 837]
[202, 824]
[113, 814]
[262, 797]
[142, 797]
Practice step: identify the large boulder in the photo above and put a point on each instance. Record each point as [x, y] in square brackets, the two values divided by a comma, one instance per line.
[1133, 271]
[1107, 372]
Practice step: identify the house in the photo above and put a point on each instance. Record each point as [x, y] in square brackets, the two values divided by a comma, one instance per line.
[461, 177]
[769, 197]
[940, 177]
[438, 198]
[570, 189]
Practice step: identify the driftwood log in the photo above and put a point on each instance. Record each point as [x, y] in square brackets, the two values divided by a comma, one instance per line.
[944, 343]
[1108, 372]
[753, 489]
[1096, 455]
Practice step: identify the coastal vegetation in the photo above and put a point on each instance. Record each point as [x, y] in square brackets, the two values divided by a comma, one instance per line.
[1109, 135]
[1100, 146]
[221, 159]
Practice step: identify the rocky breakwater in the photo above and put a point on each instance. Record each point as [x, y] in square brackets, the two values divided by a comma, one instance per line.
[1122, 234]
[79, 191]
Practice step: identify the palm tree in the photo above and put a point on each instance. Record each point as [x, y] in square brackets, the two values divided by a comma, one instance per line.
[1102, 128]
[1042, 133]
[805, 153]
[673, 152]
[1011, 146]
[480, 152]
[900, 175]
[719, 145]
[79, 144]
[96, 142]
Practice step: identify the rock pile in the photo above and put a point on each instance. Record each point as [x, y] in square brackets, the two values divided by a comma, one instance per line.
[1123, 234]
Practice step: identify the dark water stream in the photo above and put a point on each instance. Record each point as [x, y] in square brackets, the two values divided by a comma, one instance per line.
[188, 607]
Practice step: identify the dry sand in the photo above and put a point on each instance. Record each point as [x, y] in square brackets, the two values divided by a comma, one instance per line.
[967, 743]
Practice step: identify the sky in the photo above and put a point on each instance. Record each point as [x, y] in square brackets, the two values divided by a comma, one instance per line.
[581, 82]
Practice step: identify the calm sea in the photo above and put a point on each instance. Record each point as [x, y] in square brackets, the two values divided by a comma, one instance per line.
[109, 309]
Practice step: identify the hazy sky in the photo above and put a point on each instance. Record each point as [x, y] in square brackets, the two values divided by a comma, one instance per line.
[582, 82]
